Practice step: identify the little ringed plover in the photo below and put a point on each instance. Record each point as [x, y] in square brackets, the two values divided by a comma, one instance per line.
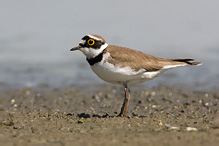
[124, 66]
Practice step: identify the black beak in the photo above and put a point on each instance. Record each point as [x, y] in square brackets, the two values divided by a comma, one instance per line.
[75, 48]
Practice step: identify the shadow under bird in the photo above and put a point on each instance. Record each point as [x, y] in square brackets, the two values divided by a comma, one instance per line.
[124, 66]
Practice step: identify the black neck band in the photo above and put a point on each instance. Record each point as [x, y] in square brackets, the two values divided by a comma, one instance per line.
[96, 59]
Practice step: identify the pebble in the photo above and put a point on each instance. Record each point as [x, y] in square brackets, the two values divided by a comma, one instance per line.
[12, 101]
[160, 123]
[153, 93]
[200, 101]
[80, 121]
[154, 106]
[174, 128]
[27, 93]
[191, 129]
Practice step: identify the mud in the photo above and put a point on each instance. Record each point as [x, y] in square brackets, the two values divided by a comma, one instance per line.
[86, 115]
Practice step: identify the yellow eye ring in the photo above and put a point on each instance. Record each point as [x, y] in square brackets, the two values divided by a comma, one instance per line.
[90, 42]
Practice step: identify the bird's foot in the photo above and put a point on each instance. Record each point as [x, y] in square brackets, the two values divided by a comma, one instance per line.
[121, 114]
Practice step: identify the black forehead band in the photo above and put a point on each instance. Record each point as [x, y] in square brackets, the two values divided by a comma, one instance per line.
[86, 38]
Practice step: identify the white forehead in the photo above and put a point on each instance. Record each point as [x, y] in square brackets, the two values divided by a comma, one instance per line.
[82, 42]
[93, 37]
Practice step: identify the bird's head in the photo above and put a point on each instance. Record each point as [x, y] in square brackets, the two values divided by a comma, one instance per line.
[91, 45]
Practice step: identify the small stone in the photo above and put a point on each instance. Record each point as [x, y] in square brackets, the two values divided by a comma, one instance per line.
[97, 98]
[12, 101]
[191, 129]
[153, 93]
[174, 128]
[80, 121]
[169, 127]
[27, 93]
[154, 106]
[160, 123]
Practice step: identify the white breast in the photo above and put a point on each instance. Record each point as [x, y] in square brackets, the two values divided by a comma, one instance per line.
[117, 74]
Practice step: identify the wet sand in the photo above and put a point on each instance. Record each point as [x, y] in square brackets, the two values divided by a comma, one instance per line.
[85, 115]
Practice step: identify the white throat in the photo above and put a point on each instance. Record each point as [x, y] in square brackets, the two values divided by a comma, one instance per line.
[91, 52]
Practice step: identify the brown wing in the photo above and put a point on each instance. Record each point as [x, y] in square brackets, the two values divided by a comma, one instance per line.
[138, 60]
[135, 59]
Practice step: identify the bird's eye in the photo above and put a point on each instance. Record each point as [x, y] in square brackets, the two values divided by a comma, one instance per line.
[90, 42]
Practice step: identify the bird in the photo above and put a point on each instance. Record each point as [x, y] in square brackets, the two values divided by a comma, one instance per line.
[124, 66]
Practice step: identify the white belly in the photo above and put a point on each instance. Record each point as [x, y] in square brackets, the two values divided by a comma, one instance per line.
[119, 75]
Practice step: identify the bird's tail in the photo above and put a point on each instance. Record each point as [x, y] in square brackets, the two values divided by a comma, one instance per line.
[188, 61]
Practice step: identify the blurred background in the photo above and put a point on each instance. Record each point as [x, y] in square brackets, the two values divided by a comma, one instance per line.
[36, 38]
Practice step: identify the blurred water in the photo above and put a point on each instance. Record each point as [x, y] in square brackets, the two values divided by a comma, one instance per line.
[36, 37]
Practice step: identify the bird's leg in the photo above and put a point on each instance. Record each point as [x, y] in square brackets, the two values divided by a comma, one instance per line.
[124, 108]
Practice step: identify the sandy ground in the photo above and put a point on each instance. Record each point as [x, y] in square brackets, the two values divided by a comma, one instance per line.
[85, 115]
